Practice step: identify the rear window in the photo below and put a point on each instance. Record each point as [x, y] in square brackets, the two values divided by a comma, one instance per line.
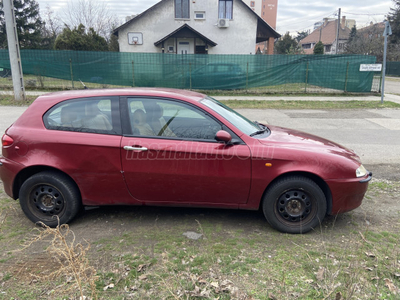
[93, 115]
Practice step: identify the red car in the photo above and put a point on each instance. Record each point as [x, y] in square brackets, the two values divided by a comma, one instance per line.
[174, 148]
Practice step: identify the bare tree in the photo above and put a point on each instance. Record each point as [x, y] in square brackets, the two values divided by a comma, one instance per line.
[53, 22]
[92, 14]
[368, 41]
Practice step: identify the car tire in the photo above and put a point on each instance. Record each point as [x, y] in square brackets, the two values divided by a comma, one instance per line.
[294, 204]
[50, 197]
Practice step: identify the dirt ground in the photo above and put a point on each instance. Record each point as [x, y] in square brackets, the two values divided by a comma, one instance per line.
[380, 211]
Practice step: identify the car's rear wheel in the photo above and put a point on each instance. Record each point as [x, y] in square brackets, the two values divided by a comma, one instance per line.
[294, 204]
[50, 197]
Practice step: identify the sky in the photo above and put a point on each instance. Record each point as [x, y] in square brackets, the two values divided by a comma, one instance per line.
[293, 15]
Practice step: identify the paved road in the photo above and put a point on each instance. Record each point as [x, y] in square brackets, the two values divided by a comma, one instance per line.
[392, 85]
[374, 134]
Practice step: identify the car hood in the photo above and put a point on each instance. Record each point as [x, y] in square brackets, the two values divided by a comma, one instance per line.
[294, 139]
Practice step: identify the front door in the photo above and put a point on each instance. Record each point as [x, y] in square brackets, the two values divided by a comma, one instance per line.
[183, 48]
[171, 156]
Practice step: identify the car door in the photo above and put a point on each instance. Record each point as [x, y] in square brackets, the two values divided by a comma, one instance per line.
[169, 155]
[83, 140]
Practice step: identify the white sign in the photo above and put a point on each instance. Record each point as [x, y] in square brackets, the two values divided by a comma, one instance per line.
[370, 67]
[388, 29]
[135, 38]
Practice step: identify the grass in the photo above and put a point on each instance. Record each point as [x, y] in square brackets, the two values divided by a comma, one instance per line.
[316, 266]
[141, 253]
[292, 104]
[8, 100]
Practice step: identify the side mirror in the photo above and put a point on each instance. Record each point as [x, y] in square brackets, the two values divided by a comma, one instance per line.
[223, 136]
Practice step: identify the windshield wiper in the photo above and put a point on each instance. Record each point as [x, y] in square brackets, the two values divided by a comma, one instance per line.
[263, 129]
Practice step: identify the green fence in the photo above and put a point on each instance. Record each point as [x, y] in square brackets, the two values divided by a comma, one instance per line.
[266, 73]
[393, 68]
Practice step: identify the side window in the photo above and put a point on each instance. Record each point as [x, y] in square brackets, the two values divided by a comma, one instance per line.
[82, 115]
[170, 119]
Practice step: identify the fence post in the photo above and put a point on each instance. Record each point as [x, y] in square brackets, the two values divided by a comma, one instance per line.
[347, 77]
[305, 87]
[72, 74]
[133, 73]
[190, 76]
[247, 76]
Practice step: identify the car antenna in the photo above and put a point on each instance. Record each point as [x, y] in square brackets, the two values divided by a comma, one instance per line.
[84, 86]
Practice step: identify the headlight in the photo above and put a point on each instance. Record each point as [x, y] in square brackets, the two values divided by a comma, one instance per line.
[361, 171]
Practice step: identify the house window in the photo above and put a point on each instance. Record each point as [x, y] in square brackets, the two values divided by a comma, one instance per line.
[182, 9]
[225, 9]
[252, 3]
[328, 48]
[306, 46]
[200, 15]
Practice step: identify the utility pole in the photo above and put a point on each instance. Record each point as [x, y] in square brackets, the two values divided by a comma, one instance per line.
[386, 33]
[338, 28]
[13, 51]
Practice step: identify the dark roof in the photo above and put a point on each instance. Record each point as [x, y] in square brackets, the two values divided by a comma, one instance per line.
[262, 26]
[186, 30]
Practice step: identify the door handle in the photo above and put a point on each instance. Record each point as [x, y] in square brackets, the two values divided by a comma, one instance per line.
[130, 148]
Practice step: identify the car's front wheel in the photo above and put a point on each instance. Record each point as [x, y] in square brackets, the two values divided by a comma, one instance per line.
[50, 197]
[294, 204]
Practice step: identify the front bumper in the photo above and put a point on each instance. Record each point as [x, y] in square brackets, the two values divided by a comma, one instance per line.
[347, 194]
[367, 179]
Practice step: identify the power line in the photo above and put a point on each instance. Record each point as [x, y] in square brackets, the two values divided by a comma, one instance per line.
[308, 18]
[364, 14]
[319, 18]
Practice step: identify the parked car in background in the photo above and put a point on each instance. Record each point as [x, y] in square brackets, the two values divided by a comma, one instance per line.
[167, 147]
[221, 76]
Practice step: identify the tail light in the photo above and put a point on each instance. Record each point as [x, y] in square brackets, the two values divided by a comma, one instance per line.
[6, 140]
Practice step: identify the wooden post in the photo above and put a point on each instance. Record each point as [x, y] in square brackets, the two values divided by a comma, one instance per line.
[305, 87]
[347, 76]
[190, 76]
[133, 73]
[247, 76]
[72, 74]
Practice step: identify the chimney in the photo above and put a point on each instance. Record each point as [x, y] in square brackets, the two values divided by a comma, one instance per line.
[343, 22]
[325, 21]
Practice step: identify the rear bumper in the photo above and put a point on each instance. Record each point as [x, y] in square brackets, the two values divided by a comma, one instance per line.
[347, 194]
[8, 170]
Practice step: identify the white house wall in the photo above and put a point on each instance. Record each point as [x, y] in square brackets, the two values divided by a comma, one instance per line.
[238, 38]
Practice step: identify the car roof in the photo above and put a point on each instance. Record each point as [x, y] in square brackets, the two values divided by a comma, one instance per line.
[53, 98]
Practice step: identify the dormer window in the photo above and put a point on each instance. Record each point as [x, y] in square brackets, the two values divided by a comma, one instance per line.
[182, 9]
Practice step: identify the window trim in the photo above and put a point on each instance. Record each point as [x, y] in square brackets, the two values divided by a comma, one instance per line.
[182, 13]
[127, 130]
[198, 12]
[115, 116]
[225, 15]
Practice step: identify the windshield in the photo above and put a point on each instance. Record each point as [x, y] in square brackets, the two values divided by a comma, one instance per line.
[246, 126]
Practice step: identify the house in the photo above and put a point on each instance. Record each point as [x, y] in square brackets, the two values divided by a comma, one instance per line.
[373, 31]
[327, 33]
[195, 27]
[350, 23]
[268, 11]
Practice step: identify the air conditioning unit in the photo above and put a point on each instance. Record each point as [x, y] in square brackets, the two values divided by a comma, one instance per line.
[223, 23]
